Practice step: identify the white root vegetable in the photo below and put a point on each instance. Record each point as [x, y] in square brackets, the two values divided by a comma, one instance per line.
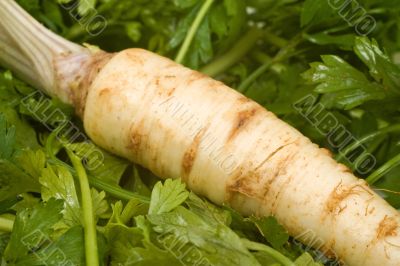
[180, 123]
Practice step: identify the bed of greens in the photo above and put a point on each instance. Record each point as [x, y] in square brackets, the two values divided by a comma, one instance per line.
[275, 52]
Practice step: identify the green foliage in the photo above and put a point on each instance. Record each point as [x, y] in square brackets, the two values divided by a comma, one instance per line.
[58, 183]
[309, 47]
[165, 197]
[100, 163]
[273, 232]
[32, 229]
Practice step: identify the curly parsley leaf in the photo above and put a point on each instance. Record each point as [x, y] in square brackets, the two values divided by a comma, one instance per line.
[165, 197]
[218, 244]
[345, 86]
[380, 66]
[57, 182]
[32, 229]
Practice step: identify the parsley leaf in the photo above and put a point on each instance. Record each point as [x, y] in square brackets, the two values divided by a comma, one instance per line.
[273, 232]
[58, 183]
[345, 86]
[165, 197]
[380, 66]
[32, 228]
[7, 139]
[100, 163]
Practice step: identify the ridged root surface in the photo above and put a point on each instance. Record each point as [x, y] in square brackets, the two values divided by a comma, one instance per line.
[181, 124]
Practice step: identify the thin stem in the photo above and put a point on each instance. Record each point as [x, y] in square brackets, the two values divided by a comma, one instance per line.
[260, 57]
[275, 39]
[279, 257]
[253, 76]
[89, 223]
[281, 55]
[369, 150]
[241, 48]
[366, 139]
[384, 169]
[117, 192]
[192, 31]
[6, 224]
[112, 190]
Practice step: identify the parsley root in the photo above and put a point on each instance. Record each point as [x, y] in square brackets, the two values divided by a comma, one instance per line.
[180, 123]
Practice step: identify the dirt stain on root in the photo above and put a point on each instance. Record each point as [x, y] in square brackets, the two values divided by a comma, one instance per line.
[136, 137]
[136, 55]
[91, 70]
[242, 120]
[336, 197]
[328, 250]
[243, 183]
[104, 92]
[195, 76]
[387, 227]
[341, 192]
[251, 181]
[190, 155]
[160, 82]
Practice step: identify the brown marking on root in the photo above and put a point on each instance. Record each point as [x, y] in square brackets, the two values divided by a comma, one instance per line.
[336, 197]
[387, 227]
[242, 120]
[190, 155]
[195, 76]
[134, 55]
[104, 92]
[252, 184]
[243, 99]
[92, 68]
[171, 91]
[136, 137]
[245, 183]
[275, 152]
[343, 168]
[371, 211]
[162, 90]
[328, 249]
[326, 152]
[340, 193]
[281, 171]
[241, 185]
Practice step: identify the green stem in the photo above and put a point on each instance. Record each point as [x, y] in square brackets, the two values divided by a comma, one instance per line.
[369, 150]
[241, 48]
[116, 191]
[192, 31]
[366, 139]
[6, 224]
[281, 55]
[279, 257]
[91, 252]
[112, 190]
[260, 57]
[275, 39]
[253, 76]
[381, 171]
